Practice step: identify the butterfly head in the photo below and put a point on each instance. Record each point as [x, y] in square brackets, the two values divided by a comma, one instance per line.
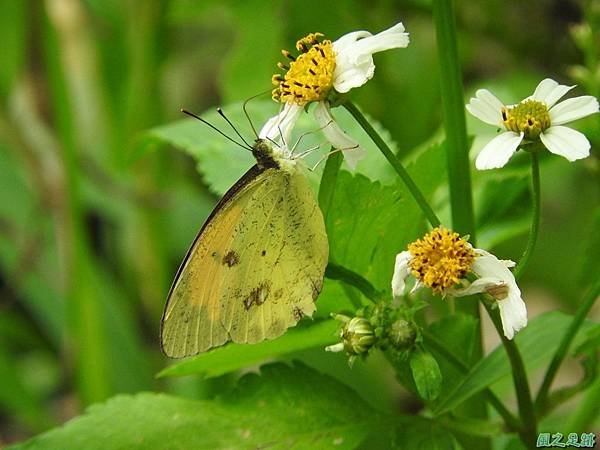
[266, 156]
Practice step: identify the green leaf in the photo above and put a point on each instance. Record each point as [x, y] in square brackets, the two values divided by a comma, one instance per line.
[416, 433]
[457, 332]
[222, 163]
[248, 67]
[471, 426]
[18, 399]
[427, 375]
[328, 180]
[537, 342]
[13, 34]
[233, 357]
[283, 407]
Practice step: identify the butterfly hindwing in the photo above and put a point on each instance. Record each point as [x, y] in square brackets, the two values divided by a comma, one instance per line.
[255, 268]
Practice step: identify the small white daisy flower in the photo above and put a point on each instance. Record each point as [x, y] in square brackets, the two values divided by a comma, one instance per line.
[537, 117]
[321, 69]
[441, 260]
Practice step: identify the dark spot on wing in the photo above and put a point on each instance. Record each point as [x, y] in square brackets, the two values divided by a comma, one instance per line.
[231, 259]
[258, 295]
[316, 288]
[263, 253]
[298, 313]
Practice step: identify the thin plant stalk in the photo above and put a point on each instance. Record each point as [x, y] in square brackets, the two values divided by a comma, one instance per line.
[535, 219]
[457, 160]
[511, 421]
[565, 343]
[528, 431]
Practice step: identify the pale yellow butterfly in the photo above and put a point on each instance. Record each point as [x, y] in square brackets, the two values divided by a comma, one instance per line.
[256, 266]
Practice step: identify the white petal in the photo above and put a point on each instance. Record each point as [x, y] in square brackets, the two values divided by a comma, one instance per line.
[513, 313]
[347, 40]
[476, 287]
[549, 92]
[279, 128]
[352, 150]
[354, 62]
[401, 271]
[335, 348]
[498, 151]
[565, 141]
[486, 107]
[573, 109]
[507, 262]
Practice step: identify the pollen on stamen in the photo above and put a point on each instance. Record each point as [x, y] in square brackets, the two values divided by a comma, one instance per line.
[308, 77]
[530, 117]
[441, 259]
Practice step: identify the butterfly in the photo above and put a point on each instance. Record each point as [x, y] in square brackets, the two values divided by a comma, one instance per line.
[257, 264]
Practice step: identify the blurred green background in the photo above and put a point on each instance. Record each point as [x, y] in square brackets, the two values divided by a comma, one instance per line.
[95, 217]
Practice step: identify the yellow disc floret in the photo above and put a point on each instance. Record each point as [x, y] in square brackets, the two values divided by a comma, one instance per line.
[440, 259]
[309, 77]
[530, 117]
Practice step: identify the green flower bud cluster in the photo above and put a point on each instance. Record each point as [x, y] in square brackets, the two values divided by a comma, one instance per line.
[381, 326]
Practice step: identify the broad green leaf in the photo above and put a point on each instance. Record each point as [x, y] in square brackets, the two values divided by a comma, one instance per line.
[328, 180]
[232, 357]
[369, 223]
[471, 426]
[536, 342]
[416, 433]
[457, 332]
[283, 407]
[222, 163]
[427, 375]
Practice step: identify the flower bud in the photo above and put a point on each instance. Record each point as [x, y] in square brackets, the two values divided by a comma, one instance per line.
[402, 334]
[357, 336]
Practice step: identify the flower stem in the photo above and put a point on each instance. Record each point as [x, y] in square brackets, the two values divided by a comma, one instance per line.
[528, 431]
[457, 144]
[535, 219]
[559, 356]
[395, 163]
[457, 158]
[337, 272]
[436, 344]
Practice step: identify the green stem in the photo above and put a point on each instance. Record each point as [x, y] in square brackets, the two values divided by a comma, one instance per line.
[565, 343]
[457, 161]
[526, 409]
[457, 144]
[432, 341]
[337, 272]
[395, 163]
[535, 219]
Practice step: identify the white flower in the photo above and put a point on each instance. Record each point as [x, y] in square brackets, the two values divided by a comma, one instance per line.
[442, 260]
[322, 68]
[536, 117]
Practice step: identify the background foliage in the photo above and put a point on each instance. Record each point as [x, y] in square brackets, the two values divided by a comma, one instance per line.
[103, 186]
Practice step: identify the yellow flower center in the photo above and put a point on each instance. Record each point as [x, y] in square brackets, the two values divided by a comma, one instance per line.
[530, 116]
[440, 259]
[309, 77]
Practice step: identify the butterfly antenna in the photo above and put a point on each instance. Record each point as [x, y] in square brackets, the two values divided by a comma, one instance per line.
[244, 107]
[222, 114]
[246, 147]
